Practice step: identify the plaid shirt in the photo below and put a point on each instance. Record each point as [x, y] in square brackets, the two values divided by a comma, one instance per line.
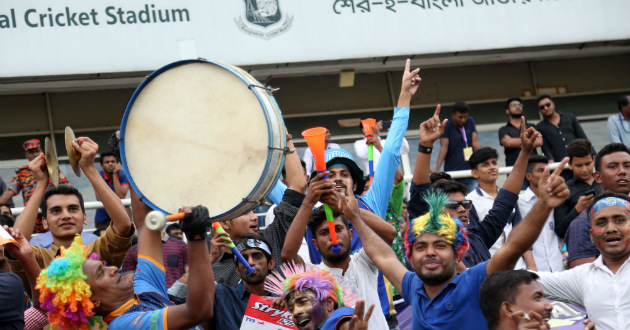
[275, 233]
[25, 182]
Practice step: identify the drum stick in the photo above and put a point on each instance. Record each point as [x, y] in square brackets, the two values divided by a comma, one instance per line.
[218, 229]
[176, 216]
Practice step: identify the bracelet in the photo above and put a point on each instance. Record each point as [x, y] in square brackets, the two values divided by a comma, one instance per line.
[424, 150]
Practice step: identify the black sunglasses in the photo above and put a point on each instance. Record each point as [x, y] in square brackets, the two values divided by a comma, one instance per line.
[454, 205]
[546, 105]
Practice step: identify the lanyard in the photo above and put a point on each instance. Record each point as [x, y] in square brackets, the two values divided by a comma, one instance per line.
[464, 135]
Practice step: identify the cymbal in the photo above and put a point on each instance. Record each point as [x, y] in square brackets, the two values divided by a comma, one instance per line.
[73, 157]
[51, 162]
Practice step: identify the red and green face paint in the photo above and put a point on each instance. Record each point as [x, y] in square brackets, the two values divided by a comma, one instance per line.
[597, 236]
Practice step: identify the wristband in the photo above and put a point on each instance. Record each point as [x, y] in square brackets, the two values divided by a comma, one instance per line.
[424, 150]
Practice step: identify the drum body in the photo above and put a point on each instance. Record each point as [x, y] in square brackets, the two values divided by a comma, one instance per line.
[197, 132]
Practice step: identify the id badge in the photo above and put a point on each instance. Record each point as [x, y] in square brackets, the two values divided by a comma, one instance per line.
[467, 153]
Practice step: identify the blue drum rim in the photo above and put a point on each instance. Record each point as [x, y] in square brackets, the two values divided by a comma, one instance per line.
[270, 152]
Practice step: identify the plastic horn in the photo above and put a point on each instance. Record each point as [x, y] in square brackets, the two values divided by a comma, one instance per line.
[316, 140]
[368, 129]
[218, 229]
[156, 221]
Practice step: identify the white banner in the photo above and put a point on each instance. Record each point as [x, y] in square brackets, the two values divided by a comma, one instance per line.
[96, 36]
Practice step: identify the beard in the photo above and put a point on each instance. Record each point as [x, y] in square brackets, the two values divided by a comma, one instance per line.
[433, 279]
[516, 115]
[337, 257]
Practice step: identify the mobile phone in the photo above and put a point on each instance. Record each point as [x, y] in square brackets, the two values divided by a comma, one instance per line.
[387, 124]
[589, 192]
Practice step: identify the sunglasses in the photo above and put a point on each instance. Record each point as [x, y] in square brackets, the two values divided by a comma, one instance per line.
[516, 105]
[546, 105]
[454, 205]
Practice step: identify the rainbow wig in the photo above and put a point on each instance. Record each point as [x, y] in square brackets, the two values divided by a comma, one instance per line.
[64, 293]
[438, 223]
[291, 277]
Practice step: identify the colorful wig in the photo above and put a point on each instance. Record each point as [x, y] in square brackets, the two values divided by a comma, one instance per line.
[291, 277]
[64, 293]
[438, 223]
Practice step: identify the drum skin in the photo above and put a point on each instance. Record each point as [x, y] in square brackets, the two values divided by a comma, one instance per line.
[197, 132]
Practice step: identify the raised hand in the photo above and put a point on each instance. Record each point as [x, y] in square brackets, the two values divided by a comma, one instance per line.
[87, 149]
[375, 141]
[360, 321]
[218, 242]
[38, 167]
[528, 136]
[319, 188]
[349, 206]
[410, 82]
[551, 189]
[432, 128]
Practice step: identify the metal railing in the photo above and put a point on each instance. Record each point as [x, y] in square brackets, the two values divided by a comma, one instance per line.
[89, 205]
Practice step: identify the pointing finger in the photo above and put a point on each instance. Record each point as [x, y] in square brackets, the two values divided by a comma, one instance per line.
[437, 110]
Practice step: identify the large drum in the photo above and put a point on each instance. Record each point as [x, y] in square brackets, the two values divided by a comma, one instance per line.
[202, 132]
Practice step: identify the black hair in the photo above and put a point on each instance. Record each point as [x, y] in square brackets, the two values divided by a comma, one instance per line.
[99, 231]
[261, 238]
[6, 220]
[579, 148]
[603, 195]
[461, 107]
[450, 187]
[542, 97]
[498, 288]
[481, 155]
[319, 215]
[7, 205]
[62, 189]
[535, 159]
[622, 102]
[172, 227]
[512, 99]
[434, 177]
[606, 150]
[107, 154]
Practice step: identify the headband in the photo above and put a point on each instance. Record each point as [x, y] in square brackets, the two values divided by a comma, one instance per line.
[252, 243]
[608, 202]
[339, 164]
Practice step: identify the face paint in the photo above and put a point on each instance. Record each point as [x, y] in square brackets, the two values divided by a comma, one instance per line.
[597, 234]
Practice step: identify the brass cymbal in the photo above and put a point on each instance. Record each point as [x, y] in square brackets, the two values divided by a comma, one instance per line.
[51, 162]
[73, 156]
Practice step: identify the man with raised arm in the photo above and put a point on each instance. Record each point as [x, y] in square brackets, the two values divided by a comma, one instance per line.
[488, 229]
[439, 296]
[64, 214]
[101, 291]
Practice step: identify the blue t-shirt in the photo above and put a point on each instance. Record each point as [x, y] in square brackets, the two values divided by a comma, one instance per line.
[456, 305]
[454, 160]
[338, 315]
[151, 308]
[101, 215]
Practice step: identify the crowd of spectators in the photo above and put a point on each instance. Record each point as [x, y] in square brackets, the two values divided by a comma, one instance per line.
[456, 254]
